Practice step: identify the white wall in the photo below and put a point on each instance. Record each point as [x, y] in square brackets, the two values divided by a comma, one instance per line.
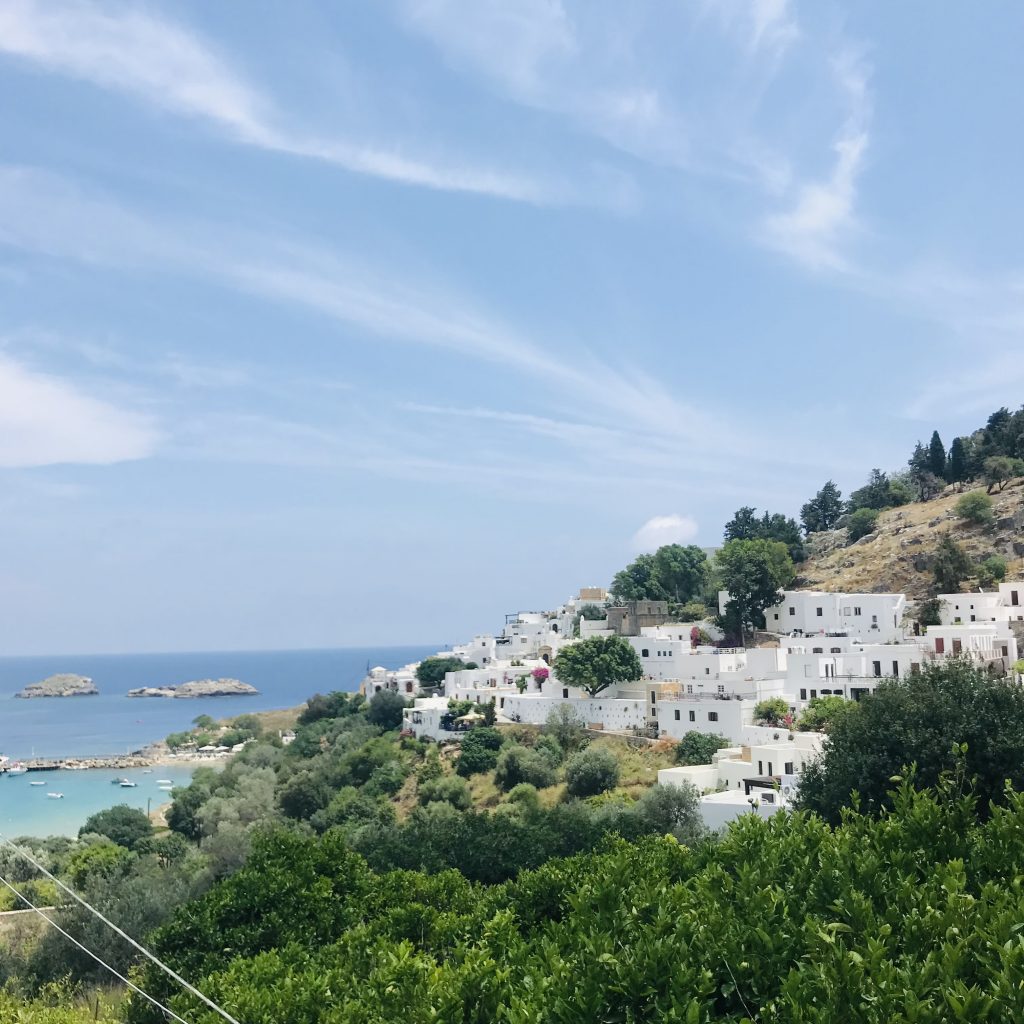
[870, 616]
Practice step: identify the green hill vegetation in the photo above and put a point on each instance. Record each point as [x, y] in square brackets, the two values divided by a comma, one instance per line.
[374, 882]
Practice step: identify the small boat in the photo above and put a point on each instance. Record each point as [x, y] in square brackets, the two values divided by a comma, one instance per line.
[37, 783]
[165, 789]
[125, 784]
[117, 782]
[164, 782]
[55, 796]
[147, 771]
[17, 769]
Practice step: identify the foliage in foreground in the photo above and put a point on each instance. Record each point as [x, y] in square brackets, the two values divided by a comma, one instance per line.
[910, 916]
[919, 720]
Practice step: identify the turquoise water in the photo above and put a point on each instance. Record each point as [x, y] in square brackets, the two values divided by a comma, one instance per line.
[25, 810]
[112, 723]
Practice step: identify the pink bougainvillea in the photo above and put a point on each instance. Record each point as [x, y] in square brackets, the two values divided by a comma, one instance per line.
[694, 636]
[540, 674]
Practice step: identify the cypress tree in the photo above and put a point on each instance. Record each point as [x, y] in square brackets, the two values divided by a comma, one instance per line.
[957, 461]
[937, 456]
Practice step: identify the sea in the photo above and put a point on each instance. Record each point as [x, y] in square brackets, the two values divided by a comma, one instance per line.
[111, 723]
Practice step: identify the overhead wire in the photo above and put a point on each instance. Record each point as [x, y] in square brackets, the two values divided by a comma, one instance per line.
[85, 949]
[170, 972]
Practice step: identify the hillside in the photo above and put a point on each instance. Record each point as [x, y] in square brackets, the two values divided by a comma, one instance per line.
[897, 557]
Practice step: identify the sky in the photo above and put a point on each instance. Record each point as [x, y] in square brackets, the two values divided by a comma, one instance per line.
[356, 324]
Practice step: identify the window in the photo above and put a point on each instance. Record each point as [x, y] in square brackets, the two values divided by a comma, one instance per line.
[877, 668]
[502, 702]
[835, 650]
[856, 610]
[776, 616]
[644, 653]
[721, 688]
[787, 768]
[693, 716]
[896, 669]
[565, 694]
[792, 611]
[677, 714]
[770, 767]
[940, 645]
[817, 650]
[814, 693]
[689, 687]
[760, 767]
[818, 612]
[707, 671]
[712, 716]
[957, 646]
[654, 696]
[846, 611]
[803, 693]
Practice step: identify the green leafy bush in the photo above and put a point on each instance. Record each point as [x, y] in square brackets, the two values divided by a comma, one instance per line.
[975, 507]
[519, 764]
[699, 747]
[591, 771]
[860, 523]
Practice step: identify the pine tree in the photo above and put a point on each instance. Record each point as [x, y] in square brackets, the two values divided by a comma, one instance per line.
[937, 456]
[823, 511]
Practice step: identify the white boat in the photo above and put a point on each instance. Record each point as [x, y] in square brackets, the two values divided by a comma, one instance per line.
[125, 784]
[147, 771]
[37, 783]
[164, 782]
[165, 789]
[55, 796]
[17, 769]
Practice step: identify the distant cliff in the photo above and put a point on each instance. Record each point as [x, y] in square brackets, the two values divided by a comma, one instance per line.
[62, 685]
[198, 688]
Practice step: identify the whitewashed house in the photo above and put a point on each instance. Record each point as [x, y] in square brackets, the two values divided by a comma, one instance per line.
[874, 618]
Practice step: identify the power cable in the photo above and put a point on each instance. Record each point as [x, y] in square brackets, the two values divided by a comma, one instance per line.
[124, 935]
[89, 952]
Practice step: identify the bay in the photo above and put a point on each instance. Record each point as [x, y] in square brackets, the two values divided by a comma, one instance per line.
[111, 723]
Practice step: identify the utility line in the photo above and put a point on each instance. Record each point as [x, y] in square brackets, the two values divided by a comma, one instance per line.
[89, 952]
[124, 935]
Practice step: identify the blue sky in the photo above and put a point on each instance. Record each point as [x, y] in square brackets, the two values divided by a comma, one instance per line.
[363, 323]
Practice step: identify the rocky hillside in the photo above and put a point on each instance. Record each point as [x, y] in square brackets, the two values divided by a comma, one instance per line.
[897, 557]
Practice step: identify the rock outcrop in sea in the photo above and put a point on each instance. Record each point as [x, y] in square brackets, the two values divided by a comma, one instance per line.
[198, 688]
[65, 684]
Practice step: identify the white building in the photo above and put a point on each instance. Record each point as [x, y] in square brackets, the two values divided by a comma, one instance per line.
[1003, 605]
[761, 776]
[982, 642]
[871, 617]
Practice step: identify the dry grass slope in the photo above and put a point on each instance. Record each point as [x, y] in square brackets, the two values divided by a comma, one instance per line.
[897, 557]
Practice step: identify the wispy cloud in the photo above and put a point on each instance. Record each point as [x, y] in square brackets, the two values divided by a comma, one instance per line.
[47, 420]
[132, 51]
[823, 217]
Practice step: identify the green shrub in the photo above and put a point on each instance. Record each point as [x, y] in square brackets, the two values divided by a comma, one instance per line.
[451, 790]
[975, 507]
[992, 571]
[861, 523]
[518, 764]
[699, 747]
[478, 751]
[591, 771]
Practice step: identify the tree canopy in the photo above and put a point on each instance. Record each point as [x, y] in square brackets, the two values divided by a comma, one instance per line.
[754, 572]
[674, 573]
[747, 525]
[430, 672]
[824, 510]
[598, 662]
[122, 824]
[918, 720]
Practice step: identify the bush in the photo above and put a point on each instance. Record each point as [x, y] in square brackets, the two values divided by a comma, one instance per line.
[860, 523]
[450, 790]
[773, 711]
[385, 710]
[992, 571]
[699, 747]
[565, 725]
[822, 712]
[591, 772]
[692, 611]
[975, 507]
[478, 751]
[122, 824]
[517, 764]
